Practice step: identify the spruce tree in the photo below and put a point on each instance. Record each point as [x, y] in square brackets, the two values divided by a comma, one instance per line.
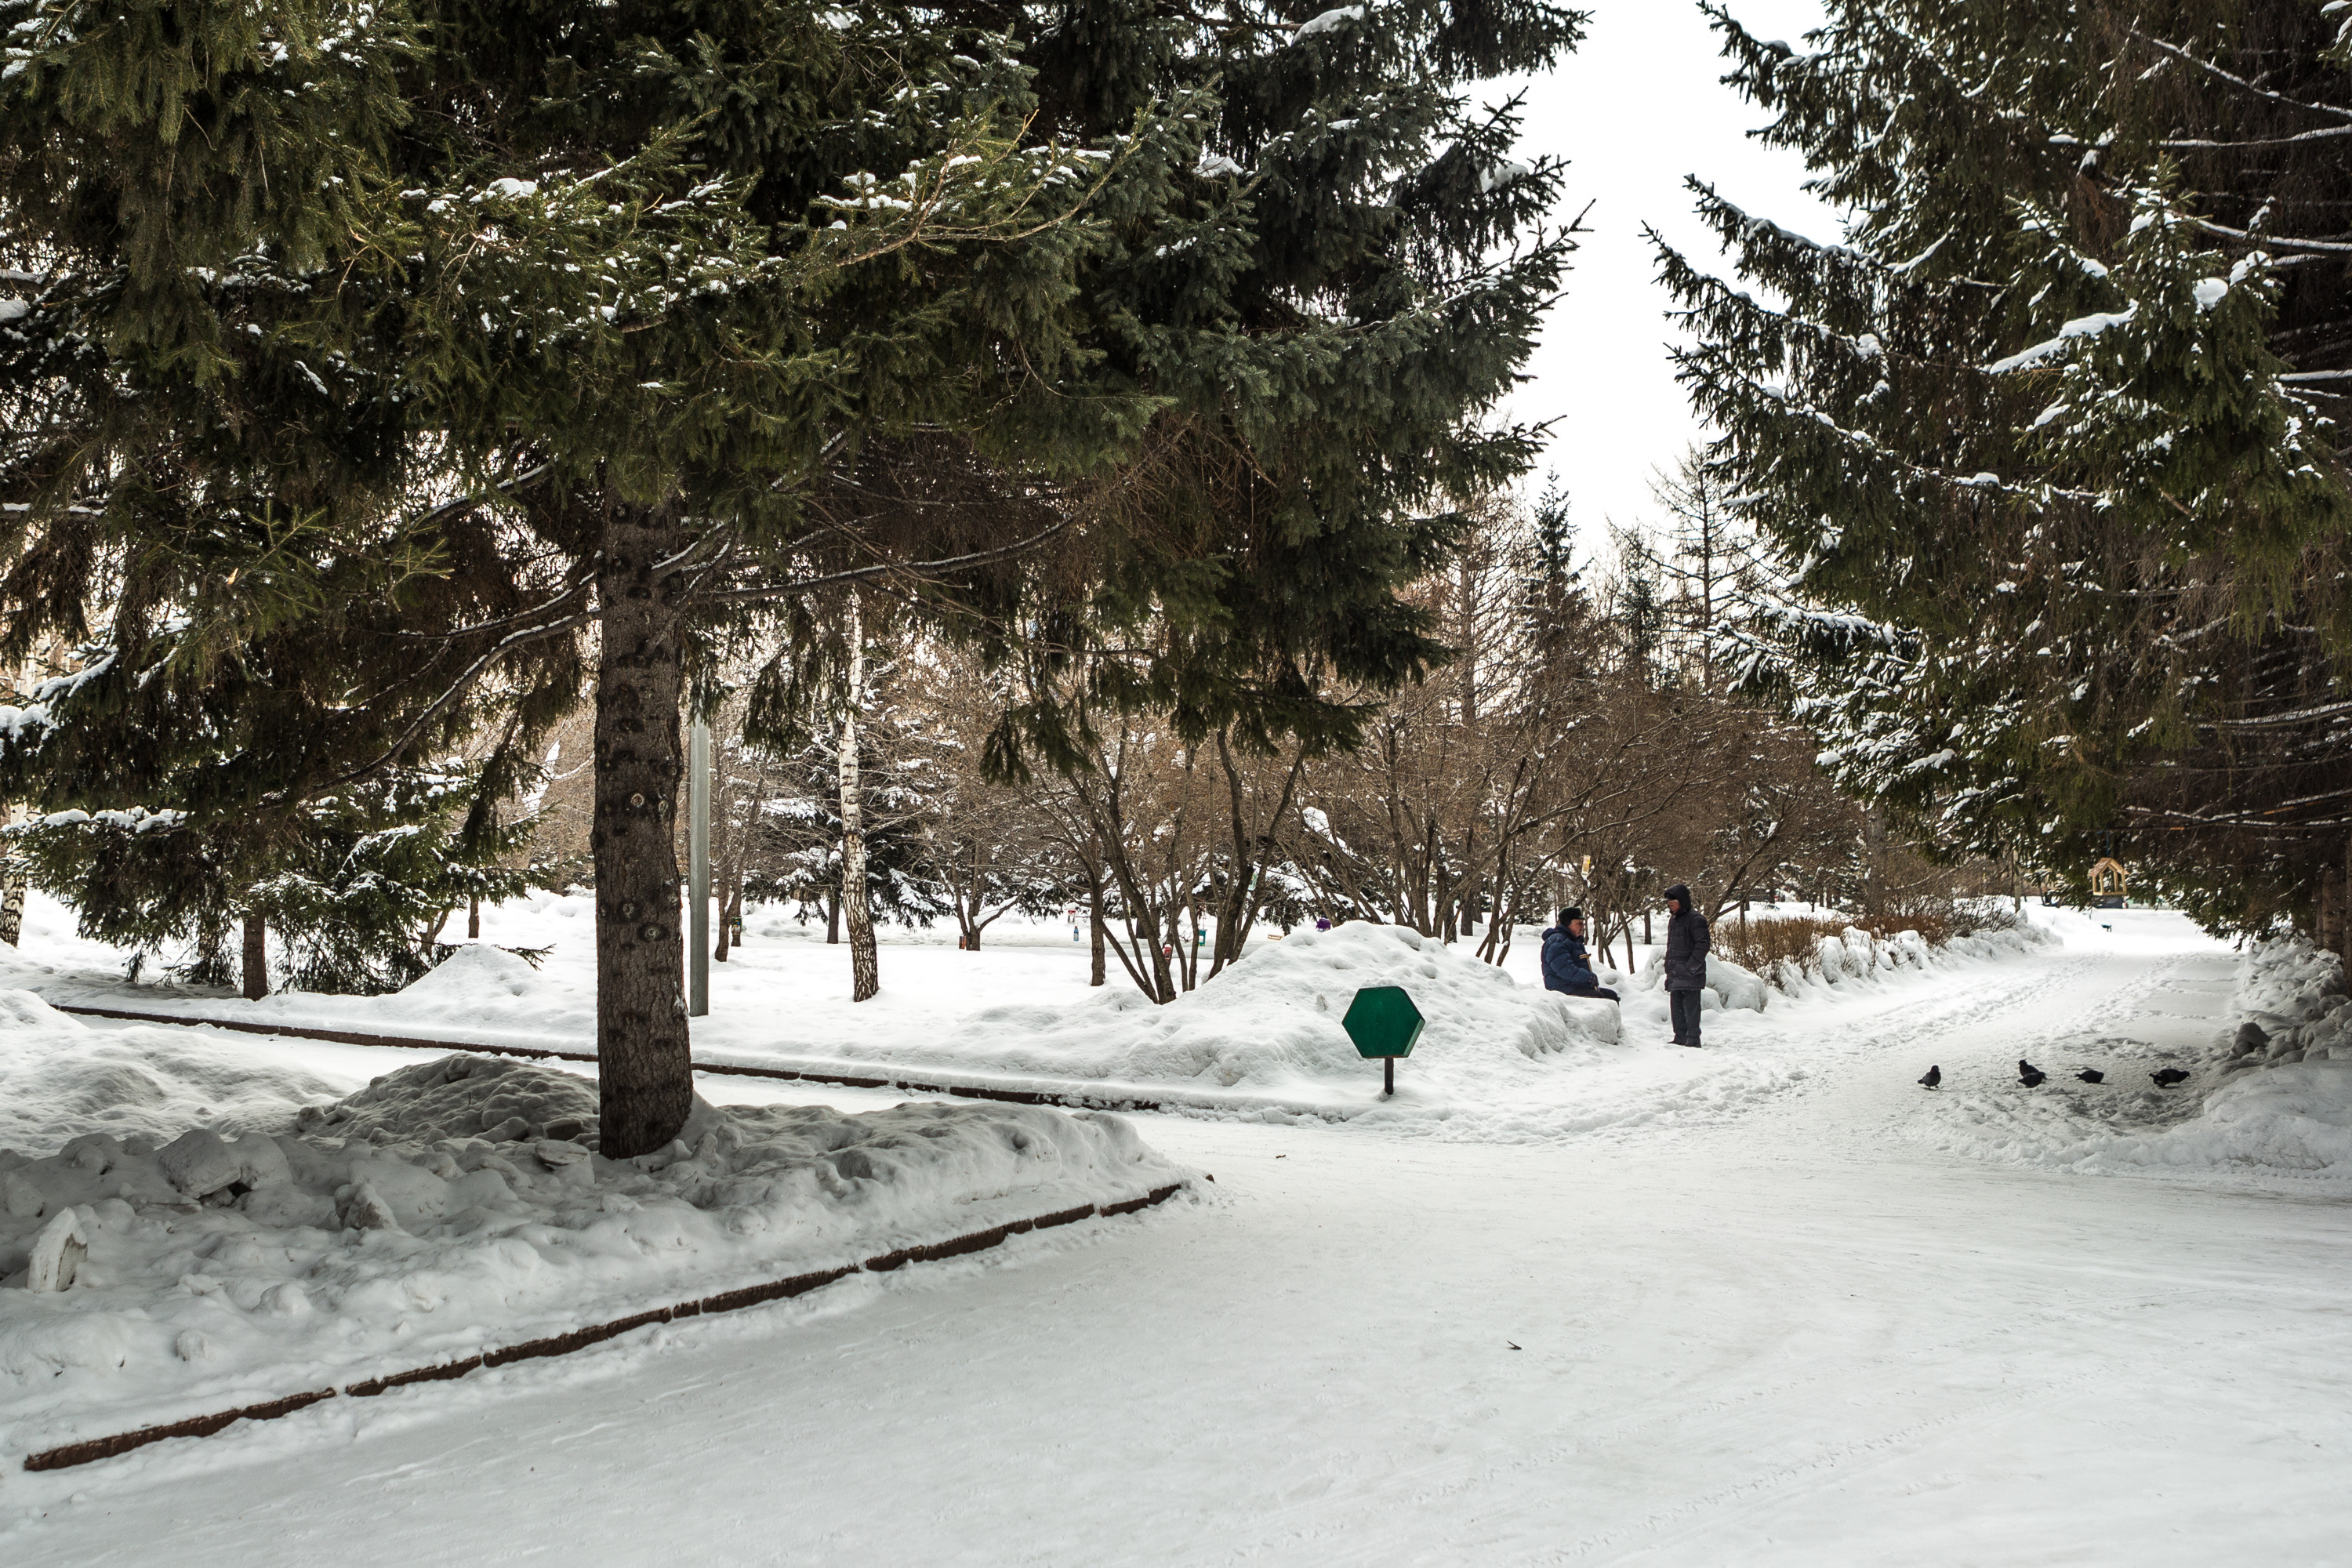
[670, 316]
[198, 459]
[2048, 447]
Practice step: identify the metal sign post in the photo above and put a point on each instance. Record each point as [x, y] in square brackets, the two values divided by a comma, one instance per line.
[698, 877]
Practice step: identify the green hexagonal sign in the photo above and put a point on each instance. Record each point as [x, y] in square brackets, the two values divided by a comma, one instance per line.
[1384, 1022]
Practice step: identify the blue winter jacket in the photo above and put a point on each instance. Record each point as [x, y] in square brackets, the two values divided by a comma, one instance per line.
[1565, 967]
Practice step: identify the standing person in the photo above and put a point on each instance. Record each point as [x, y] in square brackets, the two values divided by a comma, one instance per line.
[1686, 945]
[1565, 967]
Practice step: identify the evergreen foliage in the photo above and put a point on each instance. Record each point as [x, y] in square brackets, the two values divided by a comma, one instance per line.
[1348, 285]
[198, 458]
[485, 343]
[2049, 446]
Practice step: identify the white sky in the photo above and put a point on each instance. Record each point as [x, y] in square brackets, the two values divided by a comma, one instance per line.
[1635, 111]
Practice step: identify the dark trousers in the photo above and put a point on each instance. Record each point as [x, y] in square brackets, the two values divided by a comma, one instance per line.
[1684, 1004]
[1596, 993]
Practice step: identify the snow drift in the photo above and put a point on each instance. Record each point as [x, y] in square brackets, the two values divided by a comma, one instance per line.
[2272, 1098]
[1272, 1021]
[2284, 1100]
[59, 1077]
[1857, 957]
[149, 1267]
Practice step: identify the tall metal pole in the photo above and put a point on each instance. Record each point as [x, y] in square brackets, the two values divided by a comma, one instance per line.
[698, 850]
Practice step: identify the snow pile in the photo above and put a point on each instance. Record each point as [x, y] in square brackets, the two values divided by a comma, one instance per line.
[2292, 996]
[496, 1098]
[454, 1204]
[59, 1077]
[1858, 957]
[2284, 1101]
[2272, 1098]
[474, 973]
[1727, 984]
[1272, 1021]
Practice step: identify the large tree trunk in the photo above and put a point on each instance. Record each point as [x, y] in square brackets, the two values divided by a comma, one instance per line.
[474, 917]
[865, 963]
[644, 1077]
[257, 957]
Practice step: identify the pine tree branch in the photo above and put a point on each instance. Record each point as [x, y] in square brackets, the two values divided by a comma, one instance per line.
[759, 591]
[466, 681]
[2209, 227]
[2177, 52]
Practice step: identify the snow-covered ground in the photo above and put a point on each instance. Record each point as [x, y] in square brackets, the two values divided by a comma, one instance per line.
[1766, 1302]
[1264, 1038]
[172, 1257]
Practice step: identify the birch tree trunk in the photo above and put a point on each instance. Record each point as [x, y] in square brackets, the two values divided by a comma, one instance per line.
[12, 889]
[865, 963]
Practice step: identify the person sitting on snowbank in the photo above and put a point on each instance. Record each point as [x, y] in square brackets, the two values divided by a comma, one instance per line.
[1565, 967]
[1686, 945]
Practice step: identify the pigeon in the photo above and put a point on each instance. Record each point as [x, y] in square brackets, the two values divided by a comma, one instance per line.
[1934, 1077]
[2091, 1075]
[2028, 1075]
[2168, 1077]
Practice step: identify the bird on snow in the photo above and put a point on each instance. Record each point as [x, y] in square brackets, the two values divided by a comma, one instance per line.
[1932, 1077]
[2091, 1075]
[2168, 1076]
[2028, 1075]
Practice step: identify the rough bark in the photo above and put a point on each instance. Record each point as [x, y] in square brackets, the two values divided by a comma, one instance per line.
[257, 957]
[644, 1077]
[864, 963]
[474, 917]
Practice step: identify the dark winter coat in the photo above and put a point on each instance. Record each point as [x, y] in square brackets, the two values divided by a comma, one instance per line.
[1686, 945]
[1565, 967]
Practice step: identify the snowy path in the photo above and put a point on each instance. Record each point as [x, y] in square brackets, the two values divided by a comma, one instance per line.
[1791, 1325]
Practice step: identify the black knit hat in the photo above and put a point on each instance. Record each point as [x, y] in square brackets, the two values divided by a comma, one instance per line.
[1571, 913]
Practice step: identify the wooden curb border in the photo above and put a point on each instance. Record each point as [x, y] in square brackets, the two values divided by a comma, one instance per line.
[538, 1053]
[90, 1450]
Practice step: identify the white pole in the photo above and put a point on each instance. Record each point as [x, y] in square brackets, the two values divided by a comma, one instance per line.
[698, 842]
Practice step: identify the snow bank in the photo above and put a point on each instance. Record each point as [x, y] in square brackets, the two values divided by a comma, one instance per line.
[59, 1077]
[1272, 1021]
[2272, 1097]
[1841, 962]
[1727, 984]
[450, 1206]
[2284, 1098]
